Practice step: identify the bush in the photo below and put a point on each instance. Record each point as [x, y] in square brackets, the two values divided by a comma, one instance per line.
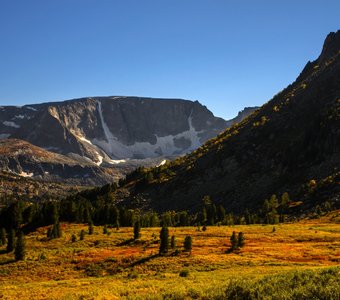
[188, 243]
[310, 284]
[94, 270]
[73, 238]
[184, 273]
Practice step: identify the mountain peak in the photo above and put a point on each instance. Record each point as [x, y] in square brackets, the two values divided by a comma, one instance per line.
[331, 46]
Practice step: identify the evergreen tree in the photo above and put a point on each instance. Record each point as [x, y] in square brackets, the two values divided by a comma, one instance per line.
[20, 247]
[54, 231]
[173, 243]
[82, 234]
[2, 237]
[136, 230]
[105, 231]
[188, 243]
[91, 228]
[234, 241]
[58, 230]
[164, 236]
[10, 240]
[240, 240]
[73, 238]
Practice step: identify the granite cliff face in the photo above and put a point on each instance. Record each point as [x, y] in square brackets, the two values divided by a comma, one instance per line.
[109, 130]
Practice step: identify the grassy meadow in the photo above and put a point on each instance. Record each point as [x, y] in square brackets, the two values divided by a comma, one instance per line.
[113, 266]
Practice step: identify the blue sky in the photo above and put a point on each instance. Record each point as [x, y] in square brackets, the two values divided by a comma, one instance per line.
[226, 54]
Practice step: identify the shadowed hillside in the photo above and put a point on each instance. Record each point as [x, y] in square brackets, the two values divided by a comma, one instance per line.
[291, 144]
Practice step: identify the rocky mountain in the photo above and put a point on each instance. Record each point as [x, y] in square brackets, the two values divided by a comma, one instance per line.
[291, 144]
[22, 158]
[107, 129]
[118, 133]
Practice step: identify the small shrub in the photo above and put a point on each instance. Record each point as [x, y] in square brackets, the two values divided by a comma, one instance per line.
[188, 243]
[73, 238]
[94, 270]
[184, 273]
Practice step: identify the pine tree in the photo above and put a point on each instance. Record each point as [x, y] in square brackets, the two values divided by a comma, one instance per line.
[82, 234]
[91, 228]
[2, 237]
[188, 243]
[20, 247]
[58, 230]
[234, 241]
[136, 230]
[164, 236]
[173, 243]
[105, 231]
[240, 240]
[10, 240]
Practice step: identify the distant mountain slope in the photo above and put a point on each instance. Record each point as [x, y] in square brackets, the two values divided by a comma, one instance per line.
[289, 145]
[107, 129]
[23, 159]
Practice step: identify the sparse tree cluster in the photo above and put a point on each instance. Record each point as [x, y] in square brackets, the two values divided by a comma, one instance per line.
[236, 241]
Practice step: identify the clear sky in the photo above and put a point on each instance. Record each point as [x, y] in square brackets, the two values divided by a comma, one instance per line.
[226, 54]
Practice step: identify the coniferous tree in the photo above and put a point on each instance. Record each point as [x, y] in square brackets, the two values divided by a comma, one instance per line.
[2, 237]
[20, 250]
[164, 236]
[105, 231]
[58, 230]
[82, 234]
[188, 243]
[173, 243]
[10, 240]
[234, 241]
[136, 230]
[240, 240]
[91, 228]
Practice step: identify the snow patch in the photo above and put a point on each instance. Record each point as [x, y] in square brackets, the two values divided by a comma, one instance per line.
[11, 124]
[24, 174]
[116, 161]
[163, 162]
[82, 138]
[4, 136]
[100, 159]
[19, 117]
[31, 108]
[165, 145]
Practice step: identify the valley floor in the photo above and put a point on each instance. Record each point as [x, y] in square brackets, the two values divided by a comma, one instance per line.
[113, 266]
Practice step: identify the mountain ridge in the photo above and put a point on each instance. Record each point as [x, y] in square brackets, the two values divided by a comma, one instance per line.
[288, 145]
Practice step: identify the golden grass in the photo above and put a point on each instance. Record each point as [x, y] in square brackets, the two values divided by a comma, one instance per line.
[60, 269]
